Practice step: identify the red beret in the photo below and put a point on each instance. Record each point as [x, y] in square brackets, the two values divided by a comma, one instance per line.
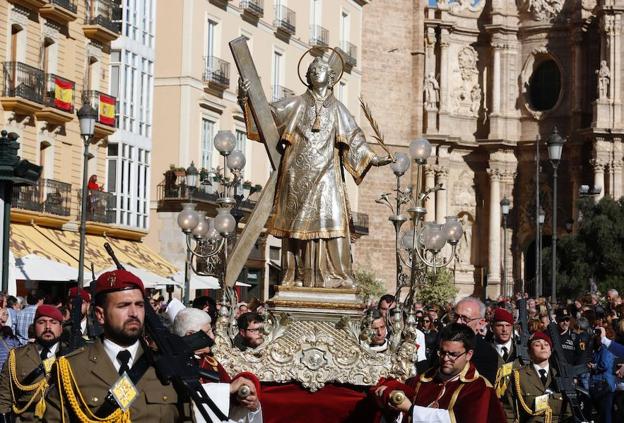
[46, 310]
[543, 336]
[118, 280]
[502, 315]
[75, 291]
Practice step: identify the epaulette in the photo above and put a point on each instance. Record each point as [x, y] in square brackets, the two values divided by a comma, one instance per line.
[75, 352]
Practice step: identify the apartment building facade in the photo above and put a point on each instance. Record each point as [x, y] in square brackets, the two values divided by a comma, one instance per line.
[195, 96]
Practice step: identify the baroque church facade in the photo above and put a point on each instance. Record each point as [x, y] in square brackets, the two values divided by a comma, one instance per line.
[487, 81]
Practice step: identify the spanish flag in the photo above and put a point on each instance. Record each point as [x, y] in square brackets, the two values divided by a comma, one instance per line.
[107, 110]
[63, 94]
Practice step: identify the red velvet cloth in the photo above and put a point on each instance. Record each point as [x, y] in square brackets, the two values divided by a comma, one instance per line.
[282, 403]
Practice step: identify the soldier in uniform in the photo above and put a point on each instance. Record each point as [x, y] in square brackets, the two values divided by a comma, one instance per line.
[535, 392]
[569, 341]
[24, 379]
[86, 325]
[502, 331]
[118, 362]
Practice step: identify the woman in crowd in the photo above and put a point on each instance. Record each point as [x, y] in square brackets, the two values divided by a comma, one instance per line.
[602, 379]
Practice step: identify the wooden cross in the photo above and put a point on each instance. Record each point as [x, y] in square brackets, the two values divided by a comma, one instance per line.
[268, 133]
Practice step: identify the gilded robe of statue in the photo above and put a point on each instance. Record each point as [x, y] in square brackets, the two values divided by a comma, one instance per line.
[311, 210]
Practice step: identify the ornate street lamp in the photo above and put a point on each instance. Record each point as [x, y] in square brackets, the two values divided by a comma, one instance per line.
[541, 219]
[87, 117]
[555, 148]
[504, 204]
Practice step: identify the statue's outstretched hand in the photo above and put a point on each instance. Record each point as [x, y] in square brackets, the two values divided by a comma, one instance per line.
[382, 160]
[243, 88]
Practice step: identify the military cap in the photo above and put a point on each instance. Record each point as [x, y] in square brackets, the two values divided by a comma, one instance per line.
[75, 291]
[502, 315]
[543, 336]
[47, 310]
[118, 280]
[562, 313]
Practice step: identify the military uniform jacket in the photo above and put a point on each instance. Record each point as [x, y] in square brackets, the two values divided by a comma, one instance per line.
[531, 387]
[95, 374]
[27, 359]
[503, 383]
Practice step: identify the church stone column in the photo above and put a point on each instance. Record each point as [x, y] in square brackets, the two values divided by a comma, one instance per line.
[599, 180]
[616, 170]
[444, 44]
[441, 195]
[430, 204]
[494, 270]
[496, 78]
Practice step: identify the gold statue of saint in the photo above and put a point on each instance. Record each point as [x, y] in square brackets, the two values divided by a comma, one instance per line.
[311, 210]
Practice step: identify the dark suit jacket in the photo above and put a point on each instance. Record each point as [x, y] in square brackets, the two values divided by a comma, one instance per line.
[485, 359]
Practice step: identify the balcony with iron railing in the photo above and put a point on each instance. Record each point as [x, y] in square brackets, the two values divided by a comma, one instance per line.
[284, 20]
[30, 4]
[319, 36]
[22, 88]
[280, 92]
[100, 24]
[105, 106]
[47, 196]
[253, 7]
[58, 98]
[349, 53]
[216, 75]
[62, 11]
[100, 206]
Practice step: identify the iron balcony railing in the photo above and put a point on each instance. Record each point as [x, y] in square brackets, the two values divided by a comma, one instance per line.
[217, 70]
[175, 189]
[280, 92]
[104, 13]
[285, 19]
[319, 36]
[59, 93]
[100, 206]
[255, 7]
[22, 80]
[66, 4]
[105, 105]
[350, 51]
[47, 196]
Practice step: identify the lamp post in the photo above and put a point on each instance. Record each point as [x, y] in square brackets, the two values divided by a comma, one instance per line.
[505, 211]
[13, 172]
[87, 116]
[555, 147]
[539, 287]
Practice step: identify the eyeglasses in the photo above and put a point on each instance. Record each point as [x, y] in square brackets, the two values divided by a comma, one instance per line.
[452, 356]
[427, 321]
[466, 319]
[256, 330]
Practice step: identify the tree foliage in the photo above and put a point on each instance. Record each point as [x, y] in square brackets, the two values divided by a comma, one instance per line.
[439, 289]
[595, 252]
[368, 285]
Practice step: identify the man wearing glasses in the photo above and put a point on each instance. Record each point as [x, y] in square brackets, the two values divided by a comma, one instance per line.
[470, 311]
[568, 338]
[249, 331]
[451, 392]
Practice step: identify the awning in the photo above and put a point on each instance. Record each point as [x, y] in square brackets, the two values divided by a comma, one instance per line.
[62, 246]
[35, 268]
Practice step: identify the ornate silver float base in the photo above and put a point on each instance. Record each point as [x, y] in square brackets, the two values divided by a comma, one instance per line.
[316, 303]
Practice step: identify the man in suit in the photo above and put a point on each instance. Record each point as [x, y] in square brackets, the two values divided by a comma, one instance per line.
[534, 389]
[25, 375]
[471, 311]
[502, 334]
[108, 363]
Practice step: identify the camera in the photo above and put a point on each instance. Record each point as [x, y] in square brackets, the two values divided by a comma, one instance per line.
[597, 332]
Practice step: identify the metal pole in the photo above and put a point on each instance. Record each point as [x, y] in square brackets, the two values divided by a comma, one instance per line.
[397, 229]
[6, 191]
[505, 287]
[538, 227]
[187, 273]
[553, 287]
[83, 213]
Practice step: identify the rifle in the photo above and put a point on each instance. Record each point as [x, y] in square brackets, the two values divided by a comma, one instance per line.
[522, 341]
[96, 329]
[174, 362]
[565, 372]
[76, 340]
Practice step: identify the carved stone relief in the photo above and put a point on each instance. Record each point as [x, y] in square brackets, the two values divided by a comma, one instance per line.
[463, 197]
[542, 10]
[466, 94]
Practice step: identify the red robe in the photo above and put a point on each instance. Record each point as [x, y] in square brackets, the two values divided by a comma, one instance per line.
[469, 398]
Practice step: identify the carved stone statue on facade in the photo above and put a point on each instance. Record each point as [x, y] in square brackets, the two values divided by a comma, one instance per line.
[604, 77]
[466, 92]
[542, 10]
[464, 249]
[432, 92]
[310, 210]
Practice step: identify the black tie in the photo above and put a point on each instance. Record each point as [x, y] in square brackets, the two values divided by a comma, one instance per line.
[505, 354]
[44, 353]
[123, 357]
[543, 376]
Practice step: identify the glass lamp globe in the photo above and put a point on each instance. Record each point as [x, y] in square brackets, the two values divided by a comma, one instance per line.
[224, 222]
[202, 227]
[401, 164]
[433, 237]
[453, 230]
[224, 142]
[236, 160]
[213, 235]
[87, 116]
[192, 175]
[555, 145]
[420, 150]
[188, 217]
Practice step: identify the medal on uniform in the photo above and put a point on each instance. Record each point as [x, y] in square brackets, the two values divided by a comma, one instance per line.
[541, 402]
[124, 392]
[506, 369]
[47, 364]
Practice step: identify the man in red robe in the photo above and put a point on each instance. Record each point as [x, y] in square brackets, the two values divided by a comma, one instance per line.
[452, 392]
